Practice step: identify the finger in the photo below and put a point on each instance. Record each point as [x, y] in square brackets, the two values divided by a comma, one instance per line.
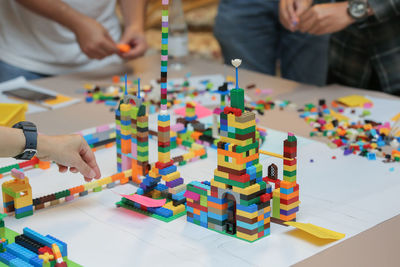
[307, 22]
[73, 170]
[291, 11]
[90, 160]
[62, 168]
[284, 16]
[301, 7]
[109, 47]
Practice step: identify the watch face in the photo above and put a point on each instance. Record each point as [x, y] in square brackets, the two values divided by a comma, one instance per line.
[358, 9]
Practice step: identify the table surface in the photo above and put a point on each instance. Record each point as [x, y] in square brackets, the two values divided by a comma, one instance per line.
[374, 246]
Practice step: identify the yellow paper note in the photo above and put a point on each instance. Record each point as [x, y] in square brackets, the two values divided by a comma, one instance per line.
[354, 100]
[59, 99]
[396, 118]
[317, 231]
[339, 116]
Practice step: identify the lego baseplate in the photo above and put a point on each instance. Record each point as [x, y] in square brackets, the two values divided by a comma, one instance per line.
[123, 205]
[10, 235]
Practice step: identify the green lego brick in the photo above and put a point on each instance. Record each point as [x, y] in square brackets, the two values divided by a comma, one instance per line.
[164, 52]
[250, 202]
[251, 129]
[163, 149]
[24, 214]
[231, 182]
[276, 207]
[289, 179]
[203, 200]
[289, 174]
[204, 156]
[97, 189]
[237, 99]
[191, 188]
[142, 110]
[183, 162]
[8, 168]
[164, 35]
[241, 149]
[10, 192]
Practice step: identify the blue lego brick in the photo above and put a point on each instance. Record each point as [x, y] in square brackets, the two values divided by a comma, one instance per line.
[269, 189]
[164, 69]
[231, 129]
[117, 112]
[289, 212]
[196, 217]
[189, 209]
[19, 263]
[286, 191]
[161, 187]
[6, 257]
[163, 85]
[217, 216]
[204, 224]
[140, 191]
[201, 185]
[164, 212]
[247, 225]
[267, 231]
[167, 170]
[36, 262]
[20, 252]
[92, 141]
[252, 208]
[216, 200]
[251, 170]
[191, 118]
[126, 137]
[23, 209]
[224, 127]
[226, 146]
[7, 204]
[149, 181]
[163, 117]
[207, 183]
[267, 214]
[179, 196]
[134, 140]
[126, 123]
[189, 219]
[203, 216]
[63, 249]
[88, 137]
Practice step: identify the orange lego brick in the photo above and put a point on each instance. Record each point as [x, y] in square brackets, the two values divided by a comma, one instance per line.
[124, 48]
[287, 184]
[196, 211]
[76, 189]
[217, 206]
[44, 165]
[118, 176]
[288, 218]
[290, 196]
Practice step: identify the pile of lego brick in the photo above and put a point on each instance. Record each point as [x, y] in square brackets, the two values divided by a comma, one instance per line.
[34, 249]
[365, 137]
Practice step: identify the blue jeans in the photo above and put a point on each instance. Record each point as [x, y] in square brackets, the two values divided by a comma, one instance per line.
[250, 30]
[8, 72]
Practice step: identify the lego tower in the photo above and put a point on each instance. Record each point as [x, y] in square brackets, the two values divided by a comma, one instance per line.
[238, 200]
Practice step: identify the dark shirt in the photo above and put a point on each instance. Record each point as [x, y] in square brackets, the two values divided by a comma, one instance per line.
[369, 50]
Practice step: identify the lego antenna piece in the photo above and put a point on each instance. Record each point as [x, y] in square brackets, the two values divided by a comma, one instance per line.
[236, 63]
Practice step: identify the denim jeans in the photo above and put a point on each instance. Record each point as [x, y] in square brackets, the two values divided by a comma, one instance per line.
[8, 72]
[250, 30]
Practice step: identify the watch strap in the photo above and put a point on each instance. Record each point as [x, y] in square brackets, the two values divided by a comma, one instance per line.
[30, 133]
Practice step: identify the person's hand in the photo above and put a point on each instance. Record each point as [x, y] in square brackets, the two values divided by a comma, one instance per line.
[325, 18]
[69, 151]
[290, 12]
[137, 41]
[94, 39]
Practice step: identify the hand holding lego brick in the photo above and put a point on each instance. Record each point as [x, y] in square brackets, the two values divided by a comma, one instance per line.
[69, 151]
[137, 42]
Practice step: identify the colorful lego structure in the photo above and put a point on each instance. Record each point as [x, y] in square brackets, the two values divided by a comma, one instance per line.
[237, 200]
[31, 249]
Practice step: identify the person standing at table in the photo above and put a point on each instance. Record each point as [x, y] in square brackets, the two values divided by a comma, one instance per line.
[251, 30]
[51, 37]
[365, 42]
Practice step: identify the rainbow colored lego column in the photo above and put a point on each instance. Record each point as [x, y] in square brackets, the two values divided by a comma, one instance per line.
[190, 111]
[124, 132]
[286, 198]
[140, 140]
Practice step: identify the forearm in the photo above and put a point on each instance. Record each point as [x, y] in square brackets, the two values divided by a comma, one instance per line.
[133, 12]
[12, 142]
[55, 10]
[384, 10]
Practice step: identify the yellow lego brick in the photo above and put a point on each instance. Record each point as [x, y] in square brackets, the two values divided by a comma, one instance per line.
[164, 157]
[22, 202]
[267, 220]
[267, 209]
[125, 107]
[276, 192]
[113, 135]
[246, 236]
[175, 209]
[290, 206]
[289, 168]
[240, 125]
[172, 134]
[221, 174]
[163, 123]
[218, 184]
[125, 132]
[154, 172]
[172, 176]
[231, 165]
[189, 200]
[91, 185]
[177, 189]
[128, 173]
[237, 142]
[188, 156]
[196, 146]
[247, 214]
[104, 181]
[248, 190]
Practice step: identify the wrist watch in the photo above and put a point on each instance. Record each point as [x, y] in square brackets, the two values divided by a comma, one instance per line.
[358, 9]
[30, 133]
